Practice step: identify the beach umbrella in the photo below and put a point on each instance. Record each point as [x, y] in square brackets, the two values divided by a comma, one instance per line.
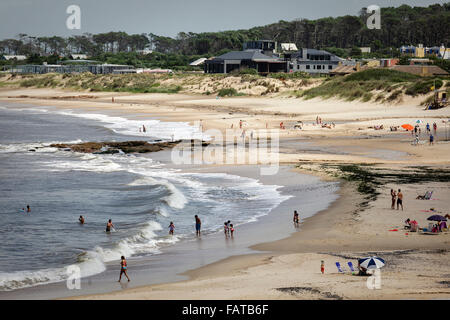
[407, 126]
[371, 263]
[419, 121]
[437, 217]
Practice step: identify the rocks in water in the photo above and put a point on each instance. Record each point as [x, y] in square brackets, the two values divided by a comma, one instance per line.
[116, 147]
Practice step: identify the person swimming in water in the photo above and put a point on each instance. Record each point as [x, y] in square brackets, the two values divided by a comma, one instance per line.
[123, 268]
[28, 208]
[81, 219]
[109, 225]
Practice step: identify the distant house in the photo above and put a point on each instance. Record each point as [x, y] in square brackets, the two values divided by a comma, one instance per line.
[365, 49]
[420, 51]
[421, 70]
[315, 61]
[288, 47]
[420, 61]
[198, 62]
[388, 62]
[236, 60]
[266, 47]
[79, 56]
[342, 70]
[144, 51]
[154, 71]
[14, 57]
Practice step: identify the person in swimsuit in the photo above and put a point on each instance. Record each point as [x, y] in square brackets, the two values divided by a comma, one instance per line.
[28, 208]
[198, 225]
[225, 229]
[296, 219]
[109, 225]
[393, 196]
[231, 230]
[123, 268]
[171, 228]
[399, 199]
[81, 219]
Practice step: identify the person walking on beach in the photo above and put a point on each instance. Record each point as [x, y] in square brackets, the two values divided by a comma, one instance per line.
[123, 268]
[296, 219]
[109, 226]
[81, 219]
[393, 196]
[171, 228]
[399, 199]
[428, 128]
[431, 139]
[434, 127]
[198, 225]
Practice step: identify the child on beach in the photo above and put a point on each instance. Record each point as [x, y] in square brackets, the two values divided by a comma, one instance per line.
[171, 228]
[225, 229]
[231, 230]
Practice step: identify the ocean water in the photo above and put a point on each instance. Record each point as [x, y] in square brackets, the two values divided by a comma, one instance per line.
[140, 195]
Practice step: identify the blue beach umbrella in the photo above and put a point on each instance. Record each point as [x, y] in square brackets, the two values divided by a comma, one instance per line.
[371, 263]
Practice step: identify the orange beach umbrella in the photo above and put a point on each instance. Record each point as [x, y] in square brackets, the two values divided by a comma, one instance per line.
[407, 127]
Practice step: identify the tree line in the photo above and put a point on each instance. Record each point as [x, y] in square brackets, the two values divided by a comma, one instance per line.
[403, 25]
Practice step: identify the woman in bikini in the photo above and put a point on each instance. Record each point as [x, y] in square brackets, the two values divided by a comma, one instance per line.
[123, 268]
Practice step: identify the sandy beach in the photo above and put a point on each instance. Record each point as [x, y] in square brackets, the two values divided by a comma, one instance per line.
[359, 224]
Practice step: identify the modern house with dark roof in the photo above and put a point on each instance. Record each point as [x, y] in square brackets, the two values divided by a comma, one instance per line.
[237, 60]
[315, 61]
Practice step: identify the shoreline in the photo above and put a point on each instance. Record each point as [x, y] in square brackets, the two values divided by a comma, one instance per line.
[339, 231]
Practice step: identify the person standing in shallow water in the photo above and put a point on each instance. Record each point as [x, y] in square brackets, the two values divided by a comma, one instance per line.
[198, 225]
[81, 219]
[296, 218]
[123, 268]
[109, 226]
[399, 199]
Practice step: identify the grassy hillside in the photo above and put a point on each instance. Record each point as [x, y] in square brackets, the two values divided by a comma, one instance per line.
[376, 85]
[379, 85]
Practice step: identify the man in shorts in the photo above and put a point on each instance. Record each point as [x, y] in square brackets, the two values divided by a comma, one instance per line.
[399, 199]
[198, 225]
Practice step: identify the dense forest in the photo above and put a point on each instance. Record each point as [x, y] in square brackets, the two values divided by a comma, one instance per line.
[399, 26]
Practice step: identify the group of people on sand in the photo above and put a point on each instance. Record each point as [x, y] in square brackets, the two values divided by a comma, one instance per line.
[397, 197]
[416, 132]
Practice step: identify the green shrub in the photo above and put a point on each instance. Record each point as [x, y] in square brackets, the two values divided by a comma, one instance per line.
[423, 87]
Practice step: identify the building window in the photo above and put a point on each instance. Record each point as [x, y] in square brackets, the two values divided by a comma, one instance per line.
[330, 67]
[308, 66]
[319, 67]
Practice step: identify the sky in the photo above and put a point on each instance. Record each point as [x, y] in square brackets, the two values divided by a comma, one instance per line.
[169, 17]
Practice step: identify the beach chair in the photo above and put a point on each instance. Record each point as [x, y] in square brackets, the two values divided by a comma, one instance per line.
[350, 265]
[338, 266]
[428, 196]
